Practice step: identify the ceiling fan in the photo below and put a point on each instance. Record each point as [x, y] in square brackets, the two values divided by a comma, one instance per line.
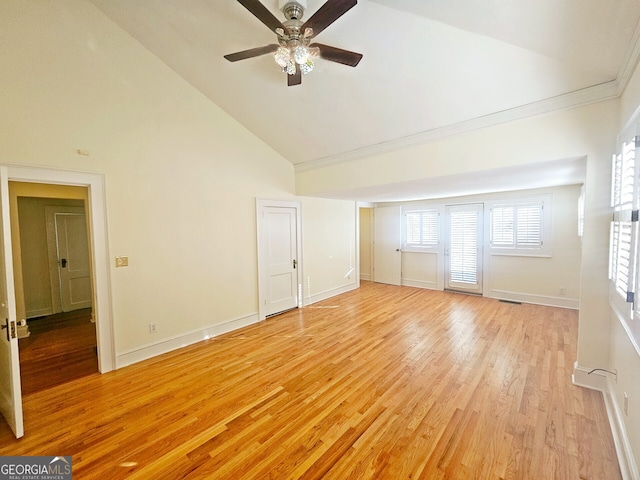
[294, 51]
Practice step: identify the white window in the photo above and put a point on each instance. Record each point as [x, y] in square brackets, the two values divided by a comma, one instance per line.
[422, 228]
[622, 250]
[521, 227]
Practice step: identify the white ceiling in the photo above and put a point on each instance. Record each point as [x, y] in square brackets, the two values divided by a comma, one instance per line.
[428, 66]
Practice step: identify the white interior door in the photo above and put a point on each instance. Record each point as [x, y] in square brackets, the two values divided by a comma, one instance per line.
[10, 388]
[280, 258]
[73, 261]
[463, 251]
[387, 243]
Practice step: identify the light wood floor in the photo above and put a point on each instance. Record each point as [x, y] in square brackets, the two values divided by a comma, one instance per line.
[383, 382]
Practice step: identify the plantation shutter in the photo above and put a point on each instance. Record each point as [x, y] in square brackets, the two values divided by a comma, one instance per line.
[502, 226]
[623, 231]
[463, 249]
[423, 228]
[529, 225]
[517, 225]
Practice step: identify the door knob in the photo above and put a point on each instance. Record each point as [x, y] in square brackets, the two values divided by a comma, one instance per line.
[63, 262]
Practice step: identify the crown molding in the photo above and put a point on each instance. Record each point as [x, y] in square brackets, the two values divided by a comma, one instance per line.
[630, 62]
[585, 96]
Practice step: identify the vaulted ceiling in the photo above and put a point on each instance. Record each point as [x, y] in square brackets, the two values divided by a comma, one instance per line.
[429, 66]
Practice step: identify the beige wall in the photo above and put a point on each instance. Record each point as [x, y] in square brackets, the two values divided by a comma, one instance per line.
[366, 242]
[421, 269]
[329, 247]
[181, 175]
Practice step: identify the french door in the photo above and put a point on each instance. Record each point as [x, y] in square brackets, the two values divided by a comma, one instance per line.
[463, 248]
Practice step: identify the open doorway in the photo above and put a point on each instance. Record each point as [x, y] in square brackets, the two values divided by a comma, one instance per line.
[12, 304]
[54, 277]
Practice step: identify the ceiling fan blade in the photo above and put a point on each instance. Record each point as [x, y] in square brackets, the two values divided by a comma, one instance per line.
[295, 79]
[338, 55]
[327, 14]
[252, 52]
[262, 13]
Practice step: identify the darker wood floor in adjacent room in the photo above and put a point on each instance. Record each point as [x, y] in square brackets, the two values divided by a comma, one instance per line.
[380, 383]
[61, 347]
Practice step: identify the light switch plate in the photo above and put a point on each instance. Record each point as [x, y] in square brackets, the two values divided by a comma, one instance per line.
[122, 261]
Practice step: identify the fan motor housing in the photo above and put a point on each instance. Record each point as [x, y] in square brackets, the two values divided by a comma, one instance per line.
[293, 9]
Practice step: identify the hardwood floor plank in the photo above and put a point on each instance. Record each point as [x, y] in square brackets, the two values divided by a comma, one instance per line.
[382, 382]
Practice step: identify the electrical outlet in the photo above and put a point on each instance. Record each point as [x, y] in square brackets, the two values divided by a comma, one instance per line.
[153, 328]
[626, 404]
[563, 291]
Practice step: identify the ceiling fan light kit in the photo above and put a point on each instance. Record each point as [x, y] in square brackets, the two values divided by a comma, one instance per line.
[294, 52]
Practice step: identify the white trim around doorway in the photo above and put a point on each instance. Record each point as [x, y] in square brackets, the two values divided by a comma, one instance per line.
[99, 246]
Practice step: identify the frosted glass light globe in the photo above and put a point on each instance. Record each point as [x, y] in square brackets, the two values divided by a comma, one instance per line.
[301, 55]
[282, 57]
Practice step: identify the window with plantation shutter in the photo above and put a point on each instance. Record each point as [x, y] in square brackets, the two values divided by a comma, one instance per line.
[517, 226]
[623, 249]
[422, 228]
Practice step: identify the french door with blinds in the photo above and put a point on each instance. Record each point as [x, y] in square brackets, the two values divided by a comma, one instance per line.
[463, 248]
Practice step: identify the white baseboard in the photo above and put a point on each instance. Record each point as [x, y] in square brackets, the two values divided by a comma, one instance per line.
[408, 282]
[169, 344]
[548, 300]
[318, 297]
[601, 381]
[595, 381]
[366, 276]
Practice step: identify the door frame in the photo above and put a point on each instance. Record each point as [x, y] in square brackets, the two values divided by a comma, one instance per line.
[98, 245]
[262, 257]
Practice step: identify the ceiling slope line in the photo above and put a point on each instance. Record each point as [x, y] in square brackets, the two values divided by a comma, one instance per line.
[577, 98]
